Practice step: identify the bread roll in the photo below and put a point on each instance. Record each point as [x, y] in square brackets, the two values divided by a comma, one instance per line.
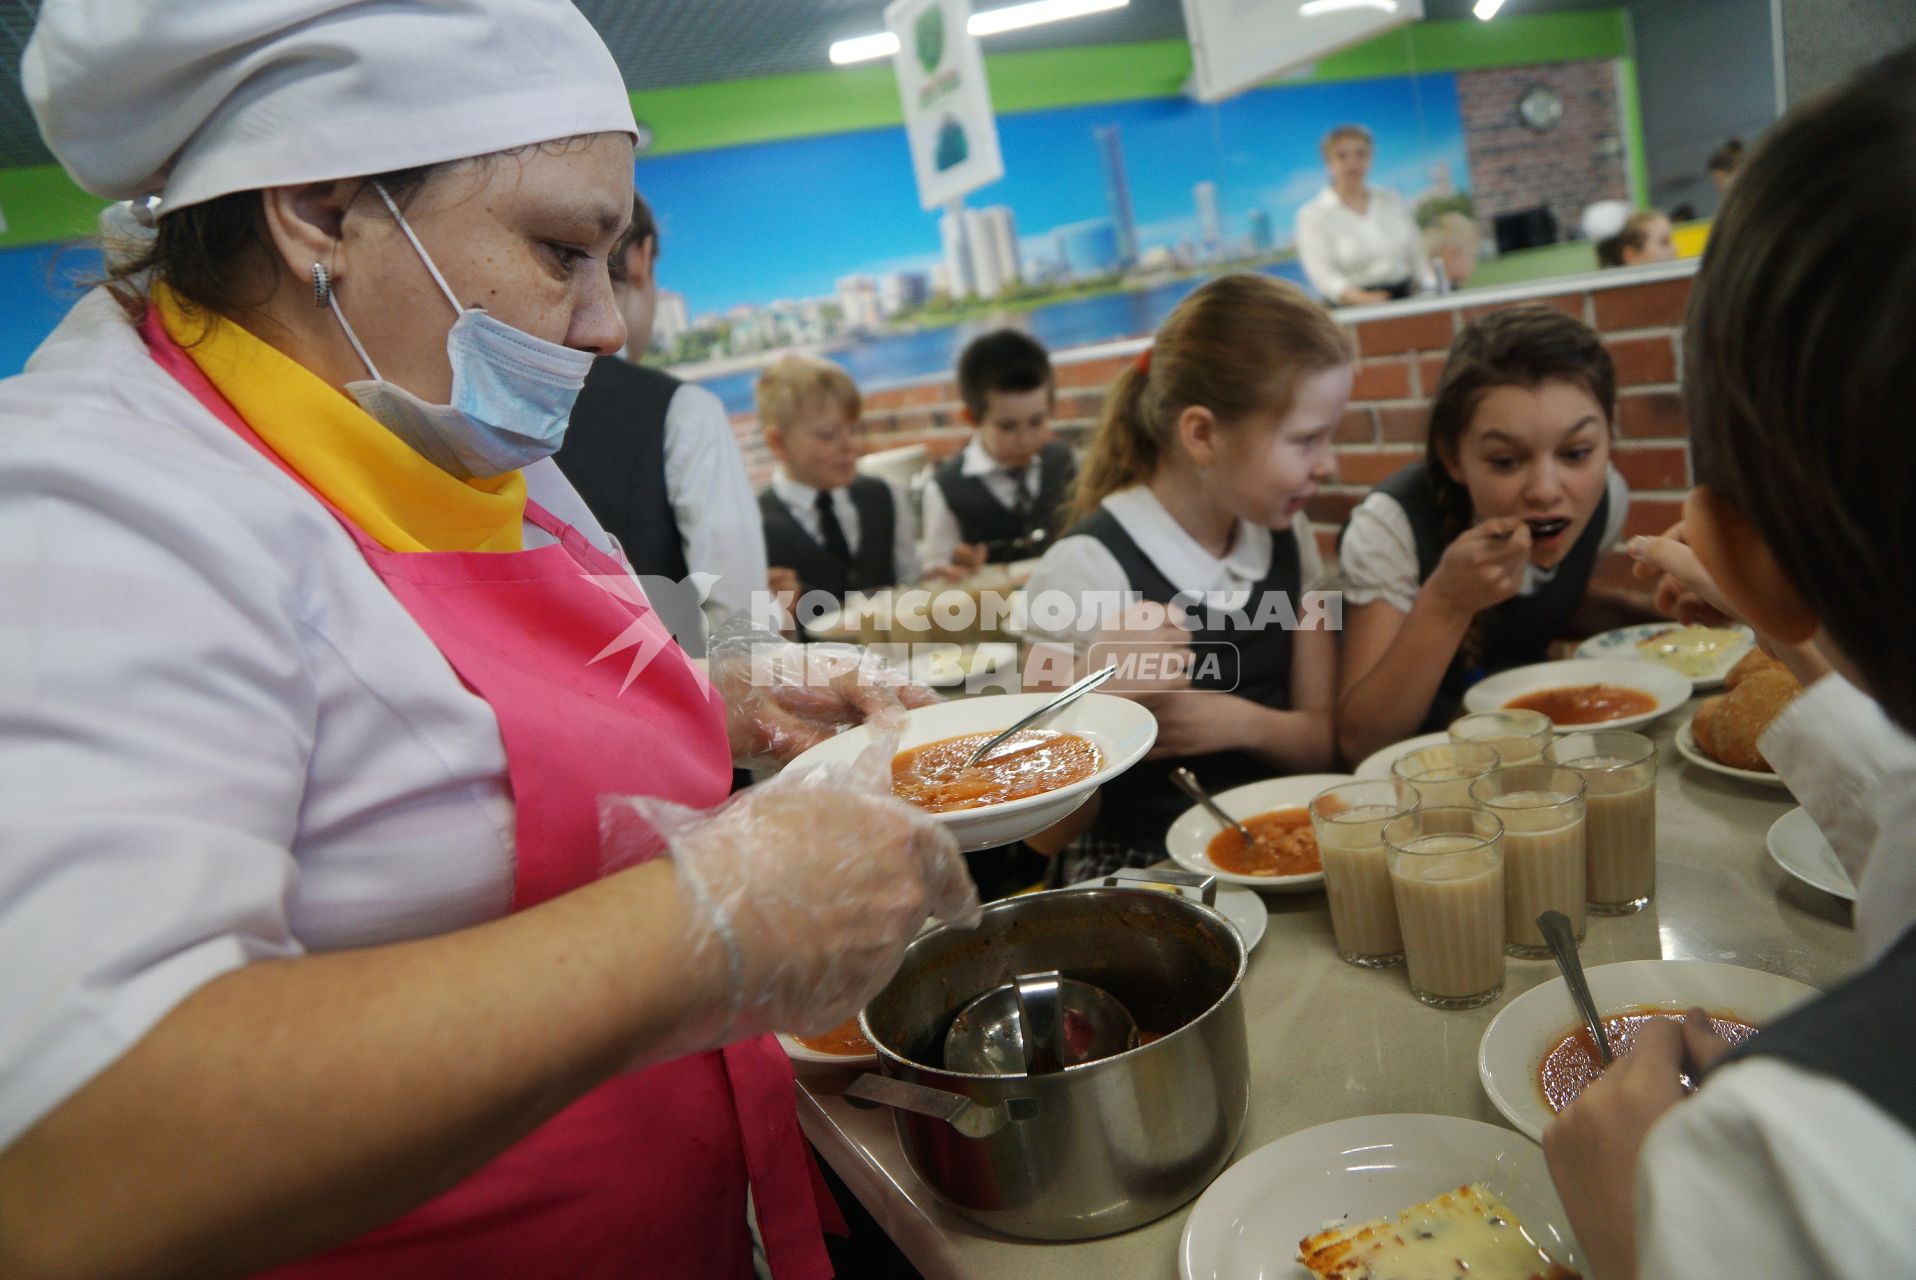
[1727, 727]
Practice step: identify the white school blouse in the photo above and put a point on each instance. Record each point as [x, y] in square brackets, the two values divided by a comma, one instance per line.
[221, 737]
[1775, 1171]
[1082, 571]
[1339, 247]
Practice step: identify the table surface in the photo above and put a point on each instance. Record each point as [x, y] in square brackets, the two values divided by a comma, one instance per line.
[1329, 1040]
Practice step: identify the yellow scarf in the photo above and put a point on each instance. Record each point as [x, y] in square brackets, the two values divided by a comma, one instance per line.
[403, 501]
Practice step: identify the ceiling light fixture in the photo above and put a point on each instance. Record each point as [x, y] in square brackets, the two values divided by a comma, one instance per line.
[1487, 9]
[1313, 8]
[991, 22]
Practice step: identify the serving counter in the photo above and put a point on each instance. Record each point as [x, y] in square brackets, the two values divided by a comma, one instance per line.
[1330, 1041]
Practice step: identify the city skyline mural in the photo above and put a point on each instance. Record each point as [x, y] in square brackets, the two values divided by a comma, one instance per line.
[819, 243]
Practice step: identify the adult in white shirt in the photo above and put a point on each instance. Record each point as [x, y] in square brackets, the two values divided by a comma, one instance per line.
[315, 950]
[1359, 243]
[656, 460]
[1797, 1157]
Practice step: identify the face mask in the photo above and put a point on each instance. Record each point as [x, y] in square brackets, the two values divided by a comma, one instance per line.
[512, 393]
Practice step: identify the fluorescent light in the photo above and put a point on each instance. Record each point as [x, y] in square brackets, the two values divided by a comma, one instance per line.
[1487, 9]
[1012, 17]
[864, 48]
[1312, 8]
[884, 44]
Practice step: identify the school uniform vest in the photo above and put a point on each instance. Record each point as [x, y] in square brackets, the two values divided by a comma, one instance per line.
[1511, 634]
[1252, 663]
[614, 455]
[983, 518]
[1859, 1032]
[788, 546]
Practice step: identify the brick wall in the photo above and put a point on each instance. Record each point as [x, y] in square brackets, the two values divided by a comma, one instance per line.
[1572, 165]
[1399, 358]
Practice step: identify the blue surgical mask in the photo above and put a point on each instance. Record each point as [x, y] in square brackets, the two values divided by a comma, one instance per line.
[512, 393]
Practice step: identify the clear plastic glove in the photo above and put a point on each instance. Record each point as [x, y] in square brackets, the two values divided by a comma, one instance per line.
[782, 698]
[804, 889]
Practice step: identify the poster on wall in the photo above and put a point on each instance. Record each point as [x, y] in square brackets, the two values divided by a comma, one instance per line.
[1236, 44]
[948, 118]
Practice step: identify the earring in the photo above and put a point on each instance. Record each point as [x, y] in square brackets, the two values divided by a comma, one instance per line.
[322, 285]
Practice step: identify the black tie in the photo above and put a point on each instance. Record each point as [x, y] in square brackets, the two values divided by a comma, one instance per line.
[1020, 495]
[831, 531]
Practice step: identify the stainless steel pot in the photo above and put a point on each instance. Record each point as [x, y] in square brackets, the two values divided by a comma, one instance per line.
[1099, 1147]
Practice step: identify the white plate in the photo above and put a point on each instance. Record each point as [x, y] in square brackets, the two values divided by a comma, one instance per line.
[1121, 729]
[1241, 907]
[1687, 748]
[1247, 1224]
[1622, 643]
[1798, 846]
[948, 666]
[1191, 834]
[1666, 686]
[799, 1053]
[1516, 1041]
[1377, 764]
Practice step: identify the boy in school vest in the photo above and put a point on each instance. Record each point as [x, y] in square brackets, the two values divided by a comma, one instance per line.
[997, 500]
[838, 531]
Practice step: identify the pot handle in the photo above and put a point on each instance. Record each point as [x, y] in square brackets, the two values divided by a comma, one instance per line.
[972, 1119]
[1186, 884]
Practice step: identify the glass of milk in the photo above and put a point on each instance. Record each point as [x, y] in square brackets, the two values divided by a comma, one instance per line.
[1542, 809]
[1443, 773]
[1619, 772]
[1518, 737]
[1447, 878]
[1349, 821]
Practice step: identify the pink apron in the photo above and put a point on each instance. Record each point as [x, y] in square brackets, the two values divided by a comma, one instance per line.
[645, 1175]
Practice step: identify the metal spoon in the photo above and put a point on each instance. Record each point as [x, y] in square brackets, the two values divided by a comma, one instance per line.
[1562, 941]
[1187, 782]
[1057, 704]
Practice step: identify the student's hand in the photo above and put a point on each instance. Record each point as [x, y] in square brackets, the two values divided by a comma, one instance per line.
[1191, 723]
[1684, 589]
[1483, 567]
[1592, 1148]
[970, 556]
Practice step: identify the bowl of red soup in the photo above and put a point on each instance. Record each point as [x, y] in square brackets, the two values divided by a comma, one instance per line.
[1282, 856]
[1537, 1056]
[1584, 693]
[1022, 786]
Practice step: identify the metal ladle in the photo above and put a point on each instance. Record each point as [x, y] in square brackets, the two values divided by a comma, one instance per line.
[1562, 941]
[1038, 1023]
[1187, 782]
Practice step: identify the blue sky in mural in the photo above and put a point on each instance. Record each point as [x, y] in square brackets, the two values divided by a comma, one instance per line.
[786, 219]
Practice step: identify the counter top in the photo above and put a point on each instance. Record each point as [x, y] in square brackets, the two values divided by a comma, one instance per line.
[1330, 1041]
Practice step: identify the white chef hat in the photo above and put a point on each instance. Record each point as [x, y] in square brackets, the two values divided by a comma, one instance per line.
[194, 99]
[1604, 219]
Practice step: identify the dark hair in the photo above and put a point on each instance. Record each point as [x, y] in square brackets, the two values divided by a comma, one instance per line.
[1798, 369]
[1524, 346]
[1634, 235]
[1236, 346]
[217, 256]
[1726, 158]
[1004, 360]
[644, 227]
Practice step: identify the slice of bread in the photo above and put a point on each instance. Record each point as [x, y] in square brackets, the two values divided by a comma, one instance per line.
[1465, 1234]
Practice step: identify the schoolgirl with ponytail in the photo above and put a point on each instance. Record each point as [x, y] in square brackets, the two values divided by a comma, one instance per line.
[1191, 497]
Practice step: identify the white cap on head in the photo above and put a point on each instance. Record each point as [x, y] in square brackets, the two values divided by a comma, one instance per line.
[195, 100]
[1604, 219]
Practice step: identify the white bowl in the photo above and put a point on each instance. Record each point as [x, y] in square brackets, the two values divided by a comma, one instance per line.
[1530, 1026]
[803, 1053]
[1190, 836]
[1670, 689]
[1119, 728]
[1377, 764]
